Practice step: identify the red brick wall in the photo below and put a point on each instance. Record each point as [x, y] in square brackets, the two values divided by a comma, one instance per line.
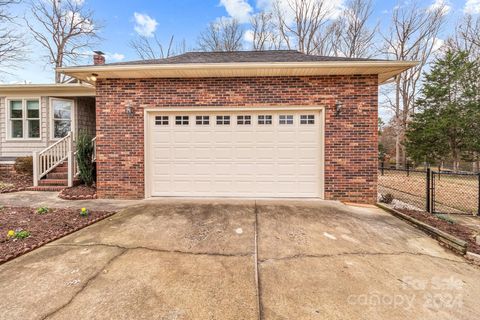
[350, 138]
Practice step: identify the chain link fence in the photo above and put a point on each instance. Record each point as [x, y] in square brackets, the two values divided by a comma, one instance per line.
[432, 191]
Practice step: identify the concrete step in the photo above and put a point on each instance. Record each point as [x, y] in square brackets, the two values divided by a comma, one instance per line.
[53, 182]
[57, 175]
[46, 188]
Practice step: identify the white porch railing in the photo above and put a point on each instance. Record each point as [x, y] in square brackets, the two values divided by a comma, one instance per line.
[49, 158]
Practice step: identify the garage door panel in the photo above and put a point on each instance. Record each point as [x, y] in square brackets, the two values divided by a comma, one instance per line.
[235, 160]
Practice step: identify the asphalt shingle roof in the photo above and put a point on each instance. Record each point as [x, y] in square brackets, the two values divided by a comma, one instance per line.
[240, 56]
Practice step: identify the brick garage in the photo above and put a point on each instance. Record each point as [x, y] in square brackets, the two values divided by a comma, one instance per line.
[350, 136]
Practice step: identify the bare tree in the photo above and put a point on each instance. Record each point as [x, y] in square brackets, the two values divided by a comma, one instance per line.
[412, 36]
[222, 35]
[152, 48]
[467, 36]
[65, 28]
[300, 22]
[351, 35]
[11, 44]
[264, 35]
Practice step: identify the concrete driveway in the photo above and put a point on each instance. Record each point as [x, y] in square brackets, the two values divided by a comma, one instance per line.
[242, 260]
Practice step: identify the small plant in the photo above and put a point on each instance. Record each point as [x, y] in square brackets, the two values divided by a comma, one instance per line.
[386, 198]
[18, 234]
[446, 218]
[43, 210]
[84, 212]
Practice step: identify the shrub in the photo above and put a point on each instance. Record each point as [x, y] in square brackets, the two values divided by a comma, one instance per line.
[42, 210]
[386, 198]
[84, 158]
[24, 165]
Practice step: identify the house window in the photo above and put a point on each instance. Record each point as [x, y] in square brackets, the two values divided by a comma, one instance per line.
[24, 119]
[161, 120]
[181, 120]
[62, 111]
[285, 119]
[307, 119]
[242, 120]
[223, 120]
[202, 120]
[265, 119]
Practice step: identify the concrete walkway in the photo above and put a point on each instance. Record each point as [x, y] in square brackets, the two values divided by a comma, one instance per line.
[228, 259]
[50, 199]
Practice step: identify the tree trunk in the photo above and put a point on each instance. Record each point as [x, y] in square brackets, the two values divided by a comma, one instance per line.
[398, 141]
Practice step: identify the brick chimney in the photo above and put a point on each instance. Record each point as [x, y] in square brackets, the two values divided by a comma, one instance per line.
[98, 58]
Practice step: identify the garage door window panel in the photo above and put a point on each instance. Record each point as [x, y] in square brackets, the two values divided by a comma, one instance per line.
[223, 120]
[307, 119]
[161, 120]
[244, 120]
[265, 119]
[285, 119]
[202, 120]
[181, 120]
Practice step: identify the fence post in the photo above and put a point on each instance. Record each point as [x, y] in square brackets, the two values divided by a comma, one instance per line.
[428, 191]
[382, 168]
[408, 169]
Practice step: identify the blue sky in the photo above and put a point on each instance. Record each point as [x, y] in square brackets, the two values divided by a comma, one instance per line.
[124, 19]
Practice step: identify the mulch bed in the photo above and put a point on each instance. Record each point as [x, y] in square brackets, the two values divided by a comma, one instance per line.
[455, 229]
[13, 182]
[43, 228]
[81, 192]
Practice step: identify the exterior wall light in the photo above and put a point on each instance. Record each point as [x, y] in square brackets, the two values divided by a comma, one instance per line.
[129, 110]
[338, 108]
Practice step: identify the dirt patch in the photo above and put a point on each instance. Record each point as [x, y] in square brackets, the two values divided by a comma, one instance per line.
[455, 229]
[12, 182]
[81, 192]
[43, 228]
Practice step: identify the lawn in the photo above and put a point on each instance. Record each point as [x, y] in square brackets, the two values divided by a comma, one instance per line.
[453, 193]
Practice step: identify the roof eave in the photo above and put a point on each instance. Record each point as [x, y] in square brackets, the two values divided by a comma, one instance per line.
[64, 90]
[386, 68]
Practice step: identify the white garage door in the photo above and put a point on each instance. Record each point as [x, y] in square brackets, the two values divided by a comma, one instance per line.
[234, 154]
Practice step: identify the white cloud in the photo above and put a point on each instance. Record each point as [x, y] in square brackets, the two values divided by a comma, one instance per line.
[144, 24]
[115, 56]
[248, 36]
[79, 2]
[441, 3]
[437, 44]
[238, 9]
[472, 7]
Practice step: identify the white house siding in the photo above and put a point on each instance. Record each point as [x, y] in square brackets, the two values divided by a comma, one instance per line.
[17, 148]
[84, 117]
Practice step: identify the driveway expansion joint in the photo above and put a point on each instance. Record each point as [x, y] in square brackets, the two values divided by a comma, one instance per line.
[215, 254]
[346, 254]
[85, 285]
